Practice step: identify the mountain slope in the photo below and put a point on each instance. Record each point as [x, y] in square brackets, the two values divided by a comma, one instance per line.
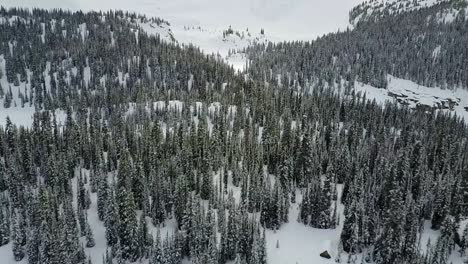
[375, 9]
[415, 46]
[167, 155]
[202, 22]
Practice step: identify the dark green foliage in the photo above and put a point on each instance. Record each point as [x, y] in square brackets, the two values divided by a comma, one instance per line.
[391, 44]
[146, 144]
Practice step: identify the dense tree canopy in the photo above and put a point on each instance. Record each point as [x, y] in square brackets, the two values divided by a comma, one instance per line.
[226, 157]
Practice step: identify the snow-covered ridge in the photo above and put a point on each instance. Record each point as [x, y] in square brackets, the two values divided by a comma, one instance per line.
[376, 8]
[203, 22]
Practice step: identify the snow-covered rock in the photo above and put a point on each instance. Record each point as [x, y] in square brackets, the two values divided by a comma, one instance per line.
[414, 95]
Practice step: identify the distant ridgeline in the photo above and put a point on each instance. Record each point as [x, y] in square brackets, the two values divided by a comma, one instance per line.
[425, 45]
[373, 10]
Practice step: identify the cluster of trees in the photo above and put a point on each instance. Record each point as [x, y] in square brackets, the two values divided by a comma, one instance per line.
[414, 45]
[156, 133]
[61, 59]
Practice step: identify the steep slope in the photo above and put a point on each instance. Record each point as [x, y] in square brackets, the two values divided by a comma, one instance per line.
[55, 74]
[377, 8]
[416, 46]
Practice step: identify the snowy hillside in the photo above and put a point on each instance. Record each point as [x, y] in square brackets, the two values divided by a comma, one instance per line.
[375, 8]
[202, 22]
[281, 19]
[228, 42]
[169, 156]
[18, 107]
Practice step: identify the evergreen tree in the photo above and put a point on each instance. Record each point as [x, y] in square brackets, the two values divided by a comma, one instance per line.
[90, 242]
[111, 221]
[18, 249]
[127, 226]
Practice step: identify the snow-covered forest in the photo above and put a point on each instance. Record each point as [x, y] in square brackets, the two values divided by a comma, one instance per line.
[124, 140]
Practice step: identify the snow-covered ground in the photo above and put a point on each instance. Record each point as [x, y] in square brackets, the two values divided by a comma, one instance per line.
[296, 243]
[20, 114]
[414, 95]
[202, 23]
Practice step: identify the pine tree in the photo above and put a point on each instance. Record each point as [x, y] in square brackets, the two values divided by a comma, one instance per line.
[90, 242]
[389, 244]
[158, 214]
[33, 246]
[18, 249]
[206, 186]
[111, 221]
[156, 252]
[325, 200]
[4, 225]
[70, 229]
[3, 179]
[102, 195]
[305, 163]
[258, 254]
[138, 185]
[145, 240]
[82, 215]
[127, 226]
[81, 193]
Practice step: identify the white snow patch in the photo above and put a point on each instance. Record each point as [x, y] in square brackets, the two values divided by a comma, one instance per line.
[190, 82]
[43, 32]
[414, 95]
[299, 243]
[83, 31]
[436, 52]
[21, 115]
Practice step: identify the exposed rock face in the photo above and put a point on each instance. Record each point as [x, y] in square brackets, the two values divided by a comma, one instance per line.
[325, 254]
[437, 102]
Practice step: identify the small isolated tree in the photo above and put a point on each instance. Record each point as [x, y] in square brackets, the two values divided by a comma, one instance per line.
[8, 99]
[89, 237]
